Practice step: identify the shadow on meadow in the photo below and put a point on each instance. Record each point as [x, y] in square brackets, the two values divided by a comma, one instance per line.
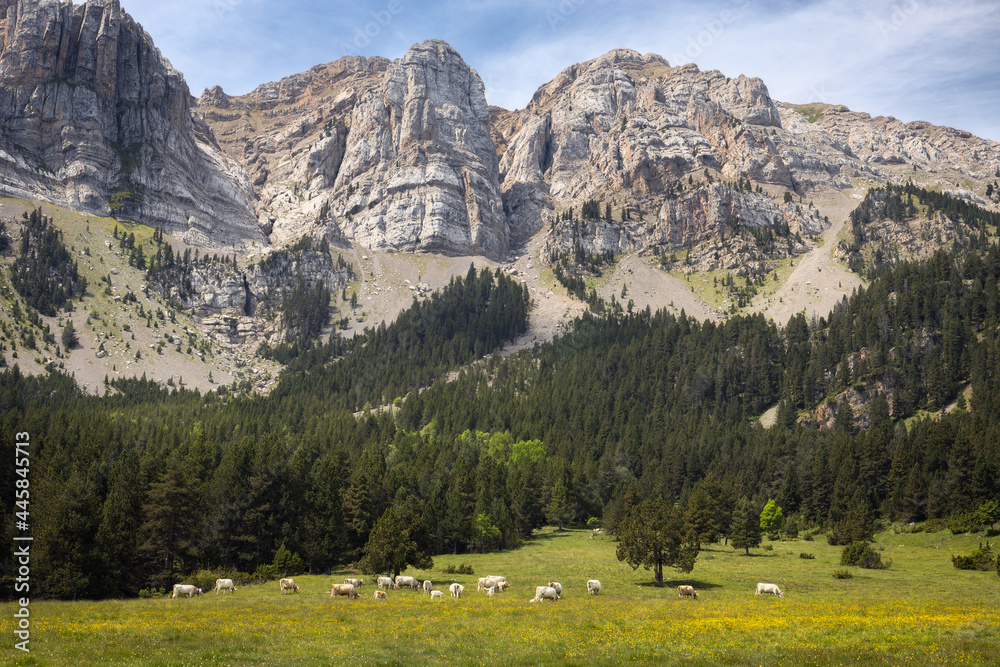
[674, 583]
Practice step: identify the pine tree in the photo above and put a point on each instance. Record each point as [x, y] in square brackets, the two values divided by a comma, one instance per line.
[746, 531]
[559, 511]
[652, 535]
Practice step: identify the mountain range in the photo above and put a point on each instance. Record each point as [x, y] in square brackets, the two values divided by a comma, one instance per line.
[679, 173]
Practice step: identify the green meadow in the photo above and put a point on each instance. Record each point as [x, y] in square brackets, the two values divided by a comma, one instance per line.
[919, 611]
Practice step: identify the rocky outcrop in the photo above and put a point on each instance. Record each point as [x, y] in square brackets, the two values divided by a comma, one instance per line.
[94, 118]
[392, 155]
[717, 226]
[827, 145]
[419, 161]
[628, 128]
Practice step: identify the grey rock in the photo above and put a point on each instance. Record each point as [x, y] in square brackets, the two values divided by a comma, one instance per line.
[94, 118]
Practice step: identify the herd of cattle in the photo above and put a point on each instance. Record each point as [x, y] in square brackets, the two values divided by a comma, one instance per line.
[492, 585]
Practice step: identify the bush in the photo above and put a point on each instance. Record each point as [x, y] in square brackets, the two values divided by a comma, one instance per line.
[464, 568]
[862, 555]
[265, 573]
[980, 559]
[842, 574]
[806, 556]
[152, 593]
[960, 523]
[934, 525]
[768, 547]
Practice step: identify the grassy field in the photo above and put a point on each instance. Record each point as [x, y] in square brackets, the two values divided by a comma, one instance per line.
[920, 611]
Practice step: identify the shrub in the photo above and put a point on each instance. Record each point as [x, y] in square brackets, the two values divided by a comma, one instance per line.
[862, 555]
[960, 523]
[768, 547]
[152, 593]
[934, 525]
[265, 573]
[980, 559]
[806, 556]
[464, 568]
[842, 574]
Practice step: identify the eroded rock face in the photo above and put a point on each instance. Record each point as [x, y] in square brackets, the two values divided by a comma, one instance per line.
[420, 162]
[94, 118]
[392, 155]
[627, 128]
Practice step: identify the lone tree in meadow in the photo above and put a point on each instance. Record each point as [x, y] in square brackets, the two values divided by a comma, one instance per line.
[652, 535]
[746, 530]
[390, 549]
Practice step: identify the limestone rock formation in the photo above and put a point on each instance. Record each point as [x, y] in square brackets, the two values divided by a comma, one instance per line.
[629, 130]
[94, 118]
[392, 155]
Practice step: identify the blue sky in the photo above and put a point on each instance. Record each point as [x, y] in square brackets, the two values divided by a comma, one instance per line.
[933, 60]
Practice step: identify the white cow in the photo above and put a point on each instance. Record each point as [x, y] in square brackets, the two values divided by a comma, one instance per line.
[492, 580]
[593, 586]
[687, 591]
[224, 585]
[491, 591]
[436, 594]
[769, 588]
[288, 585]
[185, 589]
[410, 582]
[545, 593]
[348, 590]
[384, 582]
[556, 585]
[456, 590]
[358, 583]
[427, 586]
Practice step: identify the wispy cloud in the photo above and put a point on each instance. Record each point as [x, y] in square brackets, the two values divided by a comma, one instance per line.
[935, 60]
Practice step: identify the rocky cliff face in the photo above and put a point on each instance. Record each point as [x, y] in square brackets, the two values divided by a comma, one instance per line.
[394, 156]
[94, 118]
[627, 129]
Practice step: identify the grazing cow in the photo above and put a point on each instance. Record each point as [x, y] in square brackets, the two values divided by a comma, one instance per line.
[288, 585]
[358, 583]
[545, 593]
[349, 590]
[224, 585]
[456, 590]
[493, 580]
[593, 586]
[379, 595]
[556, 585]
[427, 586]
[502, 586]
[769, 588]
[687, 591]
[411, 582]
[185, 589]
[436, 594]
[384, 582]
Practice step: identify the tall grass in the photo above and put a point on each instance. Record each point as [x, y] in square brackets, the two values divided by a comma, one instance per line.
[921, 611]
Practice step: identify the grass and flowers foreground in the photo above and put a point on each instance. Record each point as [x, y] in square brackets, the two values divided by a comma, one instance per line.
[919, 611]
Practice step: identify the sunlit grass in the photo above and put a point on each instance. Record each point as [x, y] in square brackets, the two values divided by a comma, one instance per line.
[920, 611]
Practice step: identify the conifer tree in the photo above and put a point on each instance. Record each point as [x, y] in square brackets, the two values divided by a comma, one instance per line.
[652, 535]
[746, 531]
